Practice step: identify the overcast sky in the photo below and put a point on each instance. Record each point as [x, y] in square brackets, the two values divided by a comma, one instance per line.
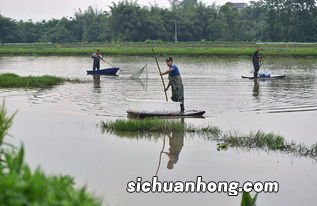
[48, 9]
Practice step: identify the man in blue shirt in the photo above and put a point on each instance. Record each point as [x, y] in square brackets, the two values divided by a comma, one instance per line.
[175, 81]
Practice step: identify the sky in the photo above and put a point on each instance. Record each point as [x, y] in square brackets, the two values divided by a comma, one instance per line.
[37, 10]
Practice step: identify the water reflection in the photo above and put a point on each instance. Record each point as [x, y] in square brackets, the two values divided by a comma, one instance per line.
[215, 91]
[256, 88]
[176, 142]
[96, 81]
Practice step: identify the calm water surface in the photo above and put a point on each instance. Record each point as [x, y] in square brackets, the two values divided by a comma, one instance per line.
[59, 126]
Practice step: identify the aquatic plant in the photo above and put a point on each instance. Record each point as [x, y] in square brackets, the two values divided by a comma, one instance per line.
[258, 139]
[248, 200]
[211, 131]
[153, 127]
[143, 125]
[10, 80]
[5, 122]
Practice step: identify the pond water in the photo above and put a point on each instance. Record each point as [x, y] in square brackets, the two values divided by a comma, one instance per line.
[59, 126]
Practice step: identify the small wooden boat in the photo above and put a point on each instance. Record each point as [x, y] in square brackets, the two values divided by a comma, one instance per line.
[152, 108]
[266, 77]
[108, 71]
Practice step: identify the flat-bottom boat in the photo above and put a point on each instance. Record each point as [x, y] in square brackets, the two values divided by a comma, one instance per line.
[107, 71]
[266, 77]
[152, 108]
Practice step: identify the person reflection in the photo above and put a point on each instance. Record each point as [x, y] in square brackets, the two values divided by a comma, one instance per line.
[256, 88]
[96, 81]
[176, 142]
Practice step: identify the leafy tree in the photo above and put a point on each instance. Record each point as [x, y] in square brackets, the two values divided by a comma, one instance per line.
[263, 20]
[8, 30]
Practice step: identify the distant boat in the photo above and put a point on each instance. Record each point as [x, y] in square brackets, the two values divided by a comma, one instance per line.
[152, 108]
[266, 77]
[107, 71]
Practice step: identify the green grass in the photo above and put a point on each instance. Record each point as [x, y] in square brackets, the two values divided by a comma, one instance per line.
[142, 125]
[5, 123]
[248, 200]
[154, 125]
[9, 80]
[163, 48]
[258, 139]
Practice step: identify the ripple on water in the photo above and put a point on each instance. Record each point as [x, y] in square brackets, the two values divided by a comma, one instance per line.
[214, 86]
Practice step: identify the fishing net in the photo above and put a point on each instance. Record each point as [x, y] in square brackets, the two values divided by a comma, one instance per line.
[137, 74]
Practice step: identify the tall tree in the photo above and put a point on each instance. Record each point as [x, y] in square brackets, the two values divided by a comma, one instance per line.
[8, 30]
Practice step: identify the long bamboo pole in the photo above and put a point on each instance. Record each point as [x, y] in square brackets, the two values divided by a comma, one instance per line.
[159, 69]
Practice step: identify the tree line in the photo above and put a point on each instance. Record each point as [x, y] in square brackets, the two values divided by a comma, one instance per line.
[263, 20]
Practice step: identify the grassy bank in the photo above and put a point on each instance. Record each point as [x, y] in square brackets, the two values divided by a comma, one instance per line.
[163, 48]
[148, 128]
[9, 80]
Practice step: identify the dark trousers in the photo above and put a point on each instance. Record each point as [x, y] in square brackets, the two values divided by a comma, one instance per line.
[182, 107]
[256, 67]
[96, 66]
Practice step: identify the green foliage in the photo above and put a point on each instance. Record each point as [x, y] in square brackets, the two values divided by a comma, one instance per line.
[160, 126]
[19, 186]
[264, 20]
[5, 124]
[247, 200]
[7, 28]
[222, 146]
[256, 140]
[14, 80]
[143, 125]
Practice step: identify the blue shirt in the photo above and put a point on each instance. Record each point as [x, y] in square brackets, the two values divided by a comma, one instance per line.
[175, 71]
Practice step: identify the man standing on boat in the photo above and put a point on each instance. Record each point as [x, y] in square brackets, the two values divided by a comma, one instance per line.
[256, 60]
[175, 81]
[96, 56]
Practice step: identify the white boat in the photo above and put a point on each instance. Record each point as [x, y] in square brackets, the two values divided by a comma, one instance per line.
[153, 107]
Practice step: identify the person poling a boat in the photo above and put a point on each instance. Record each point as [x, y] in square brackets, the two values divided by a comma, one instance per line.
[256, 60]
[175, 81]
[97, 56]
